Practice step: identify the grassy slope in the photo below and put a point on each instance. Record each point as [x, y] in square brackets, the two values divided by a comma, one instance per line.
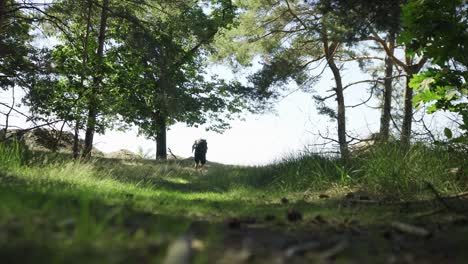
[115, 211]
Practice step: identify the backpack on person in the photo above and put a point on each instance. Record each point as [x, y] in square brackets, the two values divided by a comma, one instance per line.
[200, 147]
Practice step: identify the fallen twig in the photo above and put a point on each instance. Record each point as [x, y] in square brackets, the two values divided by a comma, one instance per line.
[172, 154]
[410, 229]
[431, 213]
[460, 195]
[300, 248]
[440, 199]
[336, 249]
[362, 201]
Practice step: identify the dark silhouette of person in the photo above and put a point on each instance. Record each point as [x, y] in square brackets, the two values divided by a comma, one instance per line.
[200, 146]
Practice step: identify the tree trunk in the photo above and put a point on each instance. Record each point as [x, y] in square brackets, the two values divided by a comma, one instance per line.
[90, 128]
[408, 112]
[3, 12]
[59, 138]
[341, 117]
[161, 144]
[76, 140]
[92, 104]
[388, 89]
[76, 136]
[329, 50]
[7, 114]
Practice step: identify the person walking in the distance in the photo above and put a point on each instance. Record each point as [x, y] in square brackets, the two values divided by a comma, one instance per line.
[200, 147]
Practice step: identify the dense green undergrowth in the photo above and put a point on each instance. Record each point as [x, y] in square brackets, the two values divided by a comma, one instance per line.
[383, 170]
[118, 209]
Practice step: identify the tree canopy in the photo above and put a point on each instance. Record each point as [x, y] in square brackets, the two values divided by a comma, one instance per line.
[144, 63]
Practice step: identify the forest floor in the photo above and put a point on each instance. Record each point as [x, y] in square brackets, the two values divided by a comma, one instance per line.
[117, 211]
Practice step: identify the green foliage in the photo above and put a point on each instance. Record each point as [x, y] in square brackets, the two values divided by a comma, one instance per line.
[15, 46]
[161, 69]
[442, 88]
[64, 84]
[361, 19]
[273, 35]
[387, 169]
[306, 172]
[448, 133]
[153, 67]
[436, 29]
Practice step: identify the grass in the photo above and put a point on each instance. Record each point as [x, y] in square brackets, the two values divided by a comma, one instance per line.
[130, 211]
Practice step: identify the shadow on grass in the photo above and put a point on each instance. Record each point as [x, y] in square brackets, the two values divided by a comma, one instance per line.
[180, 176]
[63, 223]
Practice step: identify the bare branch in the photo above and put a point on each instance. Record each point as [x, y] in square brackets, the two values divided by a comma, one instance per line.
[328, 138]
[378, 80]
[38, 126]
[395, 124]
[363, 102]
[11, 108]
[353, 58]
[295, 15]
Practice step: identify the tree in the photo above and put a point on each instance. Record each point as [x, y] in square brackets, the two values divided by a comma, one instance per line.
[437, 29]
[161, 71]
[93, 102]
[291, 38]
[15, 53]
[63, 87]
[79, 69]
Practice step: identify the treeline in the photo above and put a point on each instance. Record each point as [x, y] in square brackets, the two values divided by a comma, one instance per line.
[105, 64]
[99, 64]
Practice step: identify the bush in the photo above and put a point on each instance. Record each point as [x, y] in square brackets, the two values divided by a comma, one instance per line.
[387, 169]
[309, 172]
[12, 154]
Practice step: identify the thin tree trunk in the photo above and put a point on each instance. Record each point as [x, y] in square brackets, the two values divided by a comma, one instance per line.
[76, 136]
[76, 140]
[59, 137]
[408, 112]
[90, 128]
[92, 105]
[329, 50]
[410, 68]
[2, 14]
[7, 115]
[341, 117]
[388, 89]
[161, 143]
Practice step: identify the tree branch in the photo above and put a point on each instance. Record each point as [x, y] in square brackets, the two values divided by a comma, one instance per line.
[353, 58]
[382, 42]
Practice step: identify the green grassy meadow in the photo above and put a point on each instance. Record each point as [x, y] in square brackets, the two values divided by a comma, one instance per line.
[131, 211]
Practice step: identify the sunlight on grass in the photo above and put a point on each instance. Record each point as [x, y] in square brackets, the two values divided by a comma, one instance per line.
[178, 180]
